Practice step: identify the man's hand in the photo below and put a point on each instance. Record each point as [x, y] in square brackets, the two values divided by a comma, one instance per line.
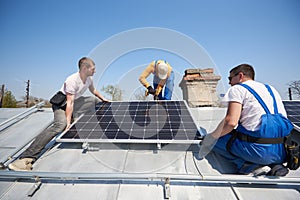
[151, 90]
[105, 100]
[206, 145]
[67, 127]
[156, 97]
[202, 131]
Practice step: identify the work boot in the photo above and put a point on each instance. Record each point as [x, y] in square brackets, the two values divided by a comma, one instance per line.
[23, 164]
[278, 170]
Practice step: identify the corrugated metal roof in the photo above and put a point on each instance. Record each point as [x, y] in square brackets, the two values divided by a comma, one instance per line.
[130, 171]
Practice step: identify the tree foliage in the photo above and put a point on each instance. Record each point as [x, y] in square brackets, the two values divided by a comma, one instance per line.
[295, 87]
[114, 91]
[9, 101]
[140, 94]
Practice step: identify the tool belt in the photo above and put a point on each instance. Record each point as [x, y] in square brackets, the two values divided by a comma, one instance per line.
[292, 148]
[59, 100]
[248, 138]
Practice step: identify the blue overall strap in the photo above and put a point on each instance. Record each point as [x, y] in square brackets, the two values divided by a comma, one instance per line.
[262, 103]
[155, 63]
[274, 100]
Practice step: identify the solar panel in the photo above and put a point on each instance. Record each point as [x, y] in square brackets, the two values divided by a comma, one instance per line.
[135, 122]
[293, 112]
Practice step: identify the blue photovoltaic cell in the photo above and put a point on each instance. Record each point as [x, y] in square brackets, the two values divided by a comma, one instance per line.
[138, 120]
[293, 111]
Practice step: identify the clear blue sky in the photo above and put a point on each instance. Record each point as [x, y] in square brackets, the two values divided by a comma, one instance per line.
[43, 40]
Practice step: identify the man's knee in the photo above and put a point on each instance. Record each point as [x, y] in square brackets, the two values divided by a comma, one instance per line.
[60, 125]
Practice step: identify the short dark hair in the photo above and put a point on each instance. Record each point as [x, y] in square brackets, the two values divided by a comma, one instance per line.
[246, 69]
[84, 61]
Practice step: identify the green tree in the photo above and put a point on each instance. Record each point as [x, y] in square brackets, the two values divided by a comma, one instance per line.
[114, 91]
[140, 94]
[9, 101]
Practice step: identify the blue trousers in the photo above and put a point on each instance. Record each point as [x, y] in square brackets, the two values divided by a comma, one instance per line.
[248, 156]
[168, 89]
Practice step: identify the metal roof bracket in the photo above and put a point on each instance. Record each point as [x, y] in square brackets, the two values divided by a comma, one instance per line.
[90, 147]
[21, 116]
[167, 190]
[158, 146]
[35, 187]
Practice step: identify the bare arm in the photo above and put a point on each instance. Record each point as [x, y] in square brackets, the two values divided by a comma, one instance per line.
[230, 121]
[69, 109]
[96, 93]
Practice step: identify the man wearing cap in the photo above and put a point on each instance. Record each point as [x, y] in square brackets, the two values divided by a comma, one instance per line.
[163, 76]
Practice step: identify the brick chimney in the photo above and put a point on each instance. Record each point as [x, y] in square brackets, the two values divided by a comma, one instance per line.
[199, 87]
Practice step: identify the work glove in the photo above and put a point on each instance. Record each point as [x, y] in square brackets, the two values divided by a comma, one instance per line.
[206, 145]
[201, 132]
[151, 90]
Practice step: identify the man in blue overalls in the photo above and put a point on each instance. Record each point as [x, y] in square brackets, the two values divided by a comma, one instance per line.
[163, 76]
[242, 135]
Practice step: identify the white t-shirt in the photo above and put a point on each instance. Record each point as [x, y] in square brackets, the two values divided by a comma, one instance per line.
[75, 86]
[252, 109]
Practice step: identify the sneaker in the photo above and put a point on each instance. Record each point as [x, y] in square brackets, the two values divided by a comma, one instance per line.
[23, 164]
[264, 170]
